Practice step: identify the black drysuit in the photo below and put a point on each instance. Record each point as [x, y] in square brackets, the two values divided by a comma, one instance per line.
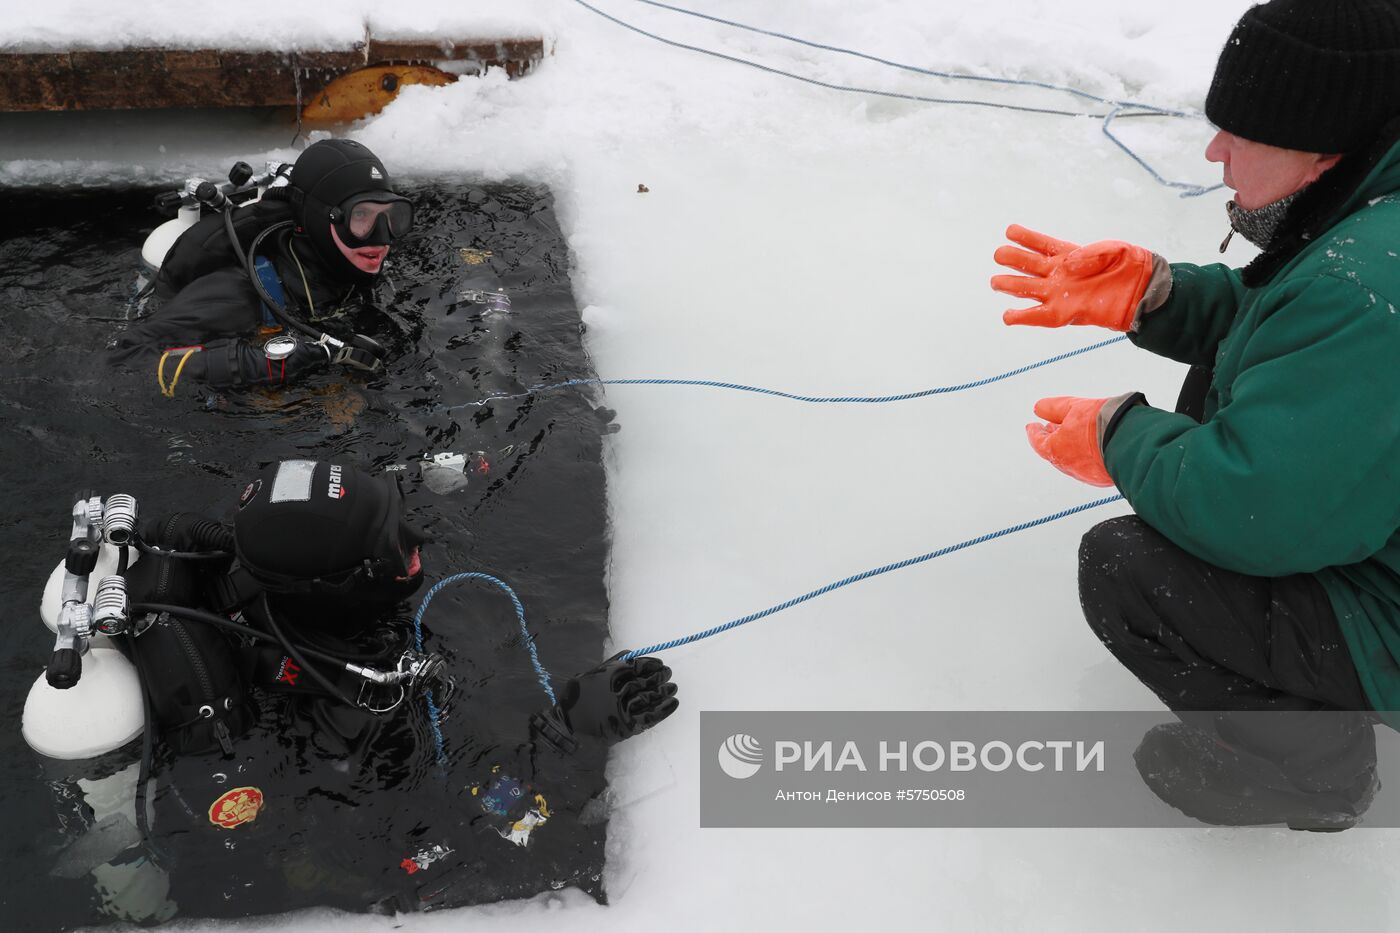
[222, 313]
[340, 807]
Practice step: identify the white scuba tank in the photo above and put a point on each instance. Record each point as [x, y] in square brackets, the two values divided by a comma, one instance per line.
[162, 238]
[158, 243]
[101, 712]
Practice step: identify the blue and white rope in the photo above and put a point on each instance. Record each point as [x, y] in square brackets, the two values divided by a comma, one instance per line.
[778, 393]
[719, 629]
[875, 572]
[529, 639]
[1137, 109]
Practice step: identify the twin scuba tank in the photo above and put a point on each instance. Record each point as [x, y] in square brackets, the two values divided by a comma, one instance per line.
[172, 268]
[89, 701]
[84, 715]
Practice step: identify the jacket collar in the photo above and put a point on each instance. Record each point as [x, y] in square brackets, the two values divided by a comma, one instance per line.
[1362, 176]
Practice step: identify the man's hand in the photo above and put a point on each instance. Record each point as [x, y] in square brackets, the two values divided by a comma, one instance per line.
[1102, 284]
[1078, 428]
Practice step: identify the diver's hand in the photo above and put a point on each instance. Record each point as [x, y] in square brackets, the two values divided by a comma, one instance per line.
[238, 362]
[615, 700]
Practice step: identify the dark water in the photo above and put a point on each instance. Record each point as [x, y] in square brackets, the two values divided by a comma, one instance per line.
[538, 520]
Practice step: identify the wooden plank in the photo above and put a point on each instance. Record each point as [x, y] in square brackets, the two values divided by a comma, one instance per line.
[270, 79]
[516, 56]
[153, 78]
[40, 81]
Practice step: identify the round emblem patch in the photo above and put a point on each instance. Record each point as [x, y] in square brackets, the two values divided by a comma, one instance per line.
[250, 492]
[238, 806]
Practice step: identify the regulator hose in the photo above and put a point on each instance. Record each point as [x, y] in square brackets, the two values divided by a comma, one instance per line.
[212, 540]
[216, 536]
[278, 310]
[298, 652]
[297, 656]
[143, 777]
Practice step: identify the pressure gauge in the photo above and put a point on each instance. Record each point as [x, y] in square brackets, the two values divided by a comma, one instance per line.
[279, 348]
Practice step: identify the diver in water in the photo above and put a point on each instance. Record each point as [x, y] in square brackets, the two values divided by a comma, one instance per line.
[244, 303]
[287, 691]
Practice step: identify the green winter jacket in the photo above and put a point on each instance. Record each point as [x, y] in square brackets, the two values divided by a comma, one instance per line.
[1296, 468]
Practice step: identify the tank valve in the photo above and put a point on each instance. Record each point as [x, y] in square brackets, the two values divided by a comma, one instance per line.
[110, 613]
[119, 518]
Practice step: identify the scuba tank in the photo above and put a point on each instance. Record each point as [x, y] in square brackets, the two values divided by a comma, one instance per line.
[170, 260]
[83, 715]
[175, 260]
[88, 702]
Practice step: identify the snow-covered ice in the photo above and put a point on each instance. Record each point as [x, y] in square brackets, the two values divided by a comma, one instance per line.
[821, 242]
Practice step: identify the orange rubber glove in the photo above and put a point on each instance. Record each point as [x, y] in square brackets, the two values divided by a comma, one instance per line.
[1100, 284]
[1074, 438]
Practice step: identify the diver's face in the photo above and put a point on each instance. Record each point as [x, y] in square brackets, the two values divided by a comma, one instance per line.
[413, 560]
[365, 258]
[410, 549]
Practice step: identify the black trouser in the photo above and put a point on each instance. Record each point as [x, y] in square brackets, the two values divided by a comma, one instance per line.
[1194, 388]
[1207, 640]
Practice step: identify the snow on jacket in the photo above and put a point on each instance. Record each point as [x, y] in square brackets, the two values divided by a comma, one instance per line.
[1296, 467]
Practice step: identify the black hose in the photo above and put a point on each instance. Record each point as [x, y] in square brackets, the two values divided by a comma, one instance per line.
[278, 310]
[218, 621]
[207, 533]
[233, 236]
[148, 742]
[298, 653]
[154, 551]
[316, 675]
[212, 541]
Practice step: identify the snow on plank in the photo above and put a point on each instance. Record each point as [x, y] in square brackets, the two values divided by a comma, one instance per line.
[157, 78]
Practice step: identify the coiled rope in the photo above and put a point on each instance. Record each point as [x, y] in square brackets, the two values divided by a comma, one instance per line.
[519, 615]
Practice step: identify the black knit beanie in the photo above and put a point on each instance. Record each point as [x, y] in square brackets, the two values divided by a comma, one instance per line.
[1315, 75]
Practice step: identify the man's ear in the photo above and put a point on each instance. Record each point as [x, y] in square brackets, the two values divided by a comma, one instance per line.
[1323, 163]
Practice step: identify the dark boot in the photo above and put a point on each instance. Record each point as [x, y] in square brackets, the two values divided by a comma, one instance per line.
[1210, 782]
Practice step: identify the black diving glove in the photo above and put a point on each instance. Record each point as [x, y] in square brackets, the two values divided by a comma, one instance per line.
[614, 701]
[239, 362]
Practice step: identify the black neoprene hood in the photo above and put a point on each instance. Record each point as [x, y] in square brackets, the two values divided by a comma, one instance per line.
[326, 176]
[318, 527]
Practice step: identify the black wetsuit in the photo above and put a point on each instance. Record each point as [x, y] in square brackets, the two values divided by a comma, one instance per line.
[222, 313]
[306, 800]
